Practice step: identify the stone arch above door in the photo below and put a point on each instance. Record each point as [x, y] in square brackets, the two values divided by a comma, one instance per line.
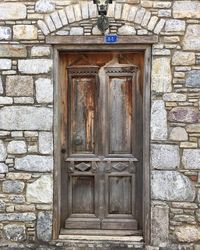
[80, 19]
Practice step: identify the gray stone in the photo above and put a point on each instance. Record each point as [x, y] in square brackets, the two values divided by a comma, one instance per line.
[193, 79]
[11, 186]
[158, 121]
[126, 30]
[183, 58]
[45, 142]
[40, 51]
[5, 100]
[24, 32]
[174, 97]
[186, 9]
[44, 226]
[1, 86]
[172, 186]
[34, 163]
[178, 134]
[3, 153]
[44, 6]
[12, 11]
[26, 118]
[2, 206]
[11, 50]
[15, 232]
[18, 199]
[76, 31]
[184, 114]
[191, 158]
[5, 33]
[189, 219]
[3, 168]
[5, 64]
[43, 27]
[191, 39]
[165, 156]
[187, 233]
[161, 75]
[17, 147]
[19, 85]
[44, 90]
[18, 217]
[41, 190]
[173, 25]
[35, 66]
[160, 224]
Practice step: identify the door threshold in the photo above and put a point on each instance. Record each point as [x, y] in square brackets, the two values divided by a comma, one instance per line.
[101, 235]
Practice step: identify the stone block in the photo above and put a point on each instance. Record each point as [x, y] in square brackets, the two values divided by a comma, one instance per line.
[35, 66]
[187, 233]
[77, 12]
[160, 224]
[173, 25]
[11, 50]
[23, 100]
[70, 14]
[19, 85]
[15, 232]
[23, 217]
[183, 58]
[26, 118]
[3, 168]
[193, 128]
[184, 114]
[43, 27]
[41, 190]
[146, 18]
[126, 30]
[139, 15]
[172, 186]
[125, 11]
[165, 156]
[193, 79]
[178, 134]
[44, 226]
[18, 176]
[191, 39]
[158, 121]
[191, 158]
[12, 11]
[40, 51]
[3, 152]
[174, 97]
[76, 31]
[24, 32]
[1, 86]
[16, 147]
[11, 186]
[186, 9]
[44, 90]
[16, 199]
[152, 23]
[56, 20]
[5, 64]
[161, 75]
[34, 163]
[85, 11]
[5, 100]
[44, 6]
[45, 142]
[5, 33]
[159, 26]
[132, 13]
[118, 10]
[63, 17]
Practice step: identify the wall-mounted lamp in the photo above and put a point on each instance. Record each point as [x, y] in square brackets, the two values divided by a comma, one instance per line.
[102, 8]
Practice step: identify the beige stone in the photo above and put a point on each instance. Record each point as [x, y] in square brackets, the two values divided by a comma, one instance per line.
[178, 134]
[186, 9]
[12, 11]
[24, 32]
[41, 190]
[126, 30]
[35, 66]
[18, 176]
[43, 27]
[183, 58]
[161, 75]
[11, 50]
[188, 144]
[152, 22]
[187, 233]
[39, 51]
[193, 128]
[44, 90]
[56, 20]
[19, 85]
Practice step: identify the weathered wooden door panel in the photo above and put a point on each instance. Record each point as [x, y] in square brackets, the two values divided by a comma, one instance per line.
[101, 142]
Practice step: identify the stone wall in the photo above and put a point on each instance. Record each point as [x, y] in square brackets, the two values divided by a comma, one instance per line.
[26, 112]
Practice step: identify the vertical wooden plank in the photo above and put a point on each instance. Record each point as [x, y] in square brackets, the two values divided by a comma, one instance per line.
[146, 146]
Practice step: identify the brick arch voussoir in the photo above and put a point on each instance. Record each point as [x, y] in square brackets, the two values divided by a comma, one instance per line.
[133, 14]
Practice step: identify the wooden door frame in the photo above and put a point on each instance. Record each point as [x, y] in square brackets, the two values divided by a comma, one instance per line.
[76, 46]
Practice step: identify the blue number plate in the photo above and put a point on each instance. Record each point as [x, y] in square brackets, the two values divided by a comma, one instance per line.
[111, 38]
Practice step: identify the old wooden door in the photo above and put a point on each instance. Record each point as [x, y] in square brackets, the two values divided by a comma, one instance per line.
[103, 136]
